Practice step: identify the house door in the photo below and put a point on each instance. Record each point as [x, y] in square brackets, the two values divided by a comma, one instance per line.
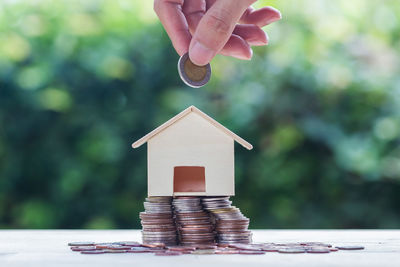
[189, 179]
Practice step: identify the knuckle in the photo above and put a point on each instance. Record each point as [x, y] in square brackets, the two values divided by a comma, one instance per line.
[157, 6]
[220, 22]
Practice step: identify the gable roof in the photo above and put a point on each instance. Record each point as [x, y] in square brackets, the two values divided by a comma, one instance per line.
[185, 112]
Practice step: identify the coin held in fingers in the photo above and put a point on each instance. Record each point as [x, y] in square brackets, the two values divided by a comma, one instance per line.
[192, 74]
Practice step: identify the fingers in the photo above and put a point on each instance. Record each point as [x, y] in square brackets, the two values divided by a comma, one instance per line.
[252, 34]
[221, 21]
[215, 29]
[260, 17]
[194, 10]
[237, 47]
[243, 37]
[209, 3]
[174, 22]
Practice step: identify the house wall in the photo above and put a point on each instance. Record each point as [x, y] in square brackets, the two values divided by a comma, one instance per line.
[191, 141]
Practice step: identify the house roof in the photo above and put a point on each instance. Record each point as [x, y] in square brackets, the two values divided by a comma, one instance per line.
[185, 112]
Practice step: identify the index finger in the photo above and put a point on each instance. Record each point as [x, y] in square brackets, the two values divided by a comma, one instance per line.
[260, 17]
[174, 22]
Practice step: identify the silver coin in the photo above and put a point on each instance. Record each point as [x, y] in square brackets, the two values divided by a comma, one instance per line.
[191, 74]
[350, 247]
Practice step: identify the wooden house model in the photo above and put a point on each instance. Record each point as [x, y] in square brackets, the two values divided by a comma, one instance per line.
[191, 155]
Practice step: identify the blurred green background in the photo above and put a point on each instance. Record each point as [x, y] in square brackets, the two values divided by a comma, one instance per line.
[81, 80]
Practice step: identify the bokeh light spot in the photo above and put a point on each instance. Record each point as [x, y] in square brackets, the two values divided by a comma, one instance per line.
[55, 99]
[116, 67]
[32, 77]
[386, 129]
[14, 47]
[82, 24]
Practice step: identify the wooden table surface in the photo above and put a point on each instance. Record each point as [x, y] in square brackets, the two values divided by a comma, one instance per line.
[49, 248]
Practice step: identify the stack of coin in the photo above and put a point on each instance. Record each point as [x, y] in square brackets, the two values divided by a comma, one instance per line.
[230, 224]
[158, 222]
[193, 223]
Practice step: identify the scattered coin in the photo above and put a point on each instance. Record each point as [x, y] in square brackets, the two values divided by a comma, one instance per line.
[182, 248]
[143, 250]
[245, 247]
[154, 245]
[160, 249]
[314, 244]
[114, 251]
[92, 252]
[227, 252]
[251, 252]
[203, 252]
[84, 243]
[102, 246]
[350, 247]
[270, 249]
[168, 253]
[191, 74]
[205, 246]
[82, 248]
[318, 250]
[117, 247]
[292, 250]
[138, 251]
[130, 243]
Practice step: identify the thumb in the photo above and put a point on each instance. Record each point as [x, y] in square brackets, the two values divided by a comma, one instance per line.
[215, 28]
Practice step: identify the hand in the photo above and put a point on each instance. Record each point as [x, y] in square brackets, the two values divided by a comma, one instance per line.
[210, 27]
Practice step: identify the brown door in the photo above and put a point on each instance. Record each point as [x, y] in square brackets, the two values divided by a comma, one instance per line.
[189, 179]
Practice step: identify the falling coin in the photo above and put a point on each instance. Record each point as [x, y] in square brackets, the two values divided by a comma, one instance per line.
[192, 74]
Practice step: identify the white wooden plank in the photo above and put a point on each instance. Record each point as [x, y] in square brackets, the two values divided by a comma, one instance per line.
[48, 248]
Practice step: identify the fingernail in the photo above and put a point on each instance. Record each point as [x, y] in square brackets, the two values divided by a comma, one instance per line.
[200, 54]
[243, 57]
[259, 41]
[275, 17]
[280, 14]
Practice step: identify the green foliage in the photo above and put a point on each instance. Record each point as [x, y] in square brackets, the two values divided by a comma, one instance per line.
[81, 80]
